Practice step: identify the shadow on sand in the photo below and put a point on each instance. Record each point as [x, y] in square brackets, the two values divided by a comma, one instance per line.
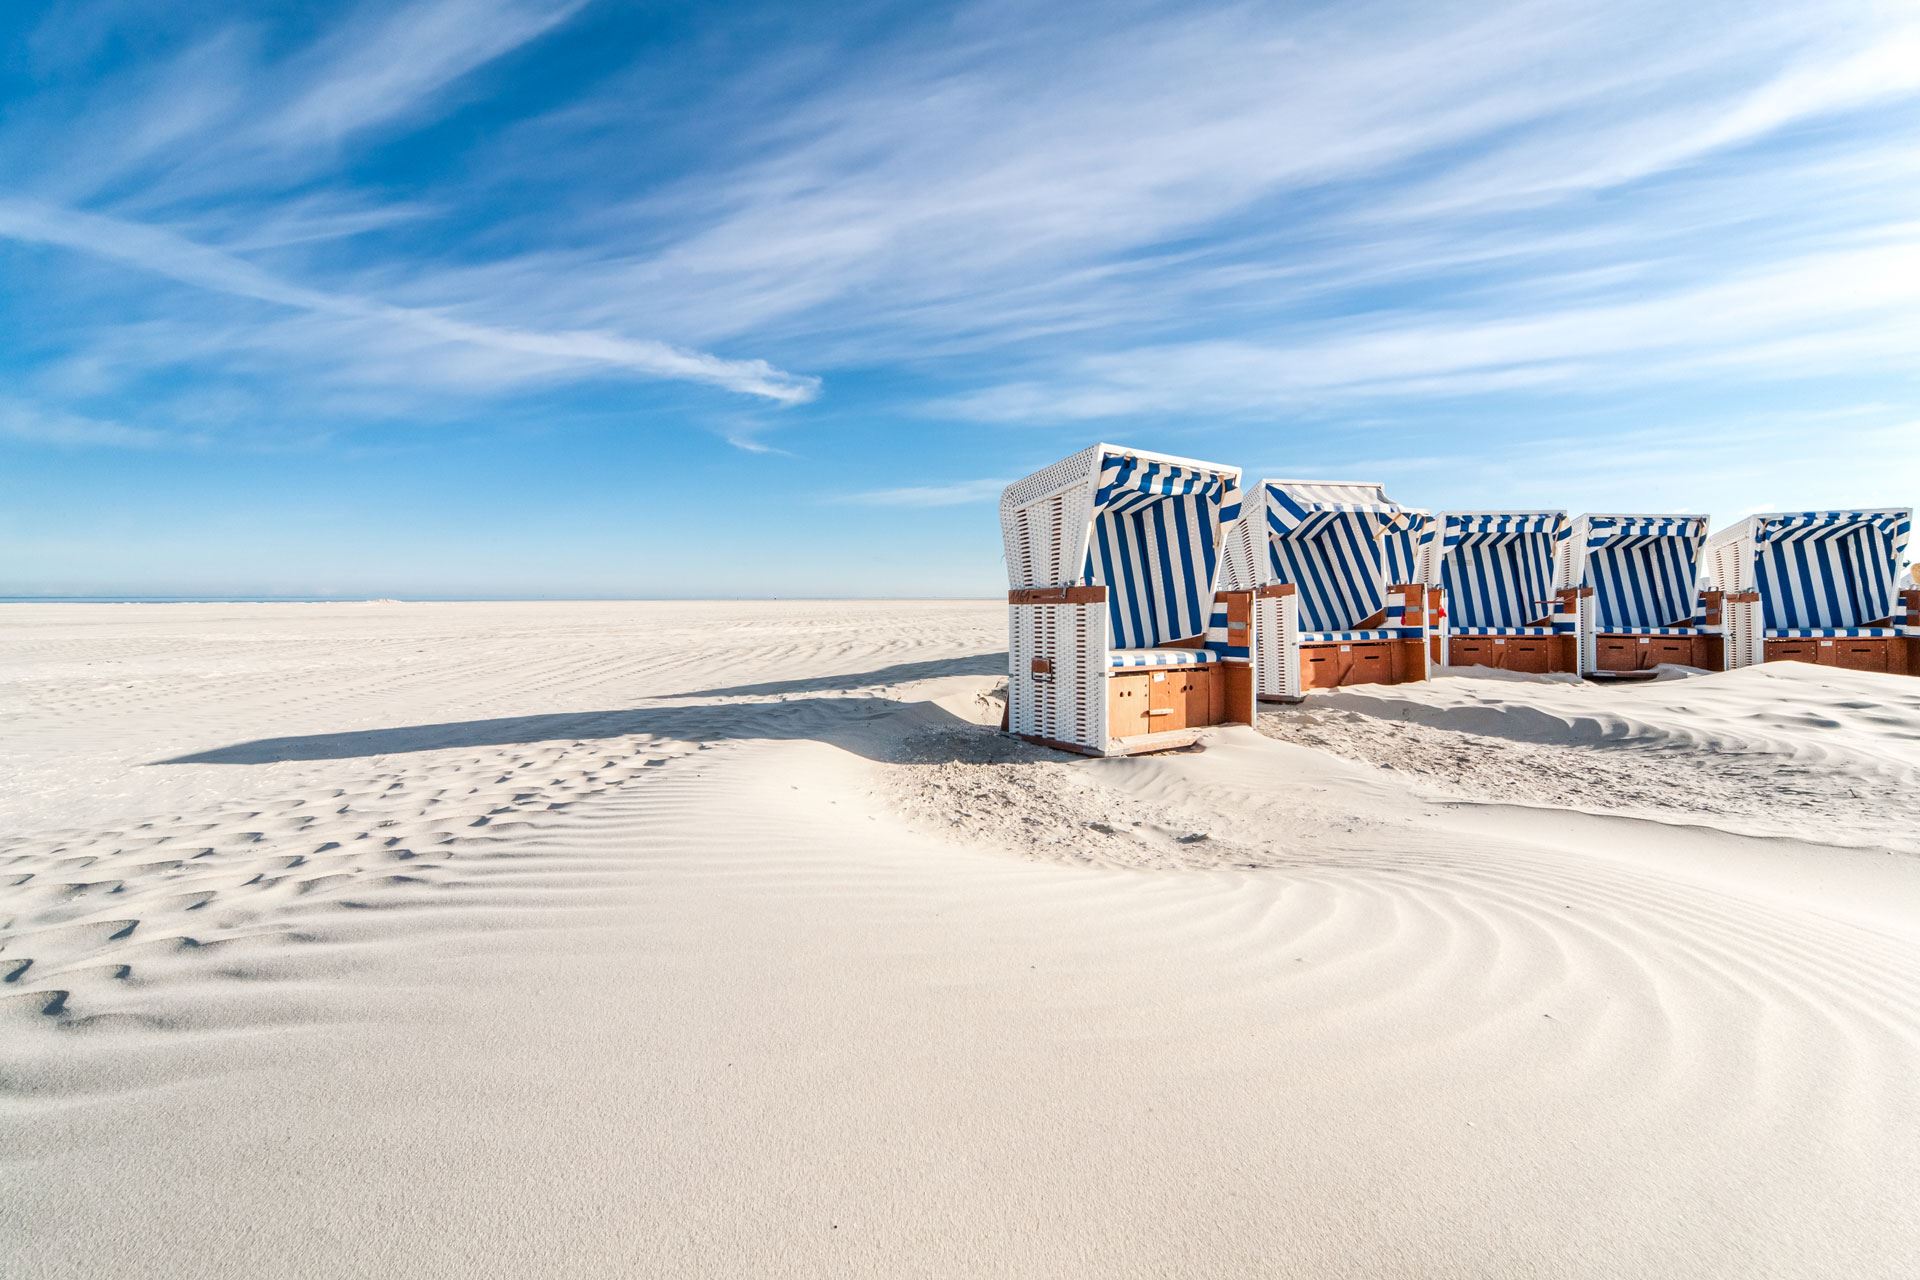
[974, 664]
[920, 732]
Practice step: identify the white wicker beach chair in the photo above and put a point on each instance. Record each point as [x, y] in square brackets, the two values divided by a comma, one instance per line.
[1637, 579]
[1331, 565]
[1118, 640]
[1498, 572]
[1821, 587]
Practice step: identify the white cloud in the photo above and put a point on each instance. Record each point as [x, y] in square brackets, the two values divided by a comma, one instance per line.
[165, 253]
[36, 423]
[959, 493]
[1839, 310]
[1094, 213]
[384, 65]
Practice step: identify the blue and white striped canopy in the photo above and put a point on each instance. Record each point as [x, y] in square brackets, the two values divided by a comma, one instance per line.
[1829, 568]
[1155, 545]
[1644, 570]
[1497, 567]
[1326, 539]
[1401, 544]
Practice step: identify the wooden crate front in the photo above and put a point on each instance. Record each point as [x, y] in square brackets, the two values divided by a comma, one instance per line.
[1535, 655]
[1334, 666]
[1857, 655]
[1895, 656]
[1617, 653]
[1793, 651]
[1643, 653]
[1161, 700]
[1372, 663]
[1531, 654]
[1127, 704]
[1475, 651]
[1323, 666]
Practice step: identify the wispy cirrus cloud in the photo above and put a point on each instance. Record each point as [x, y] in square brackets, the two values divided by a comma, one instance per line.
[1849, 309]
[382, 67]
[202, 166]
[26, 421]
[164, 253]
[1204, 216]
[956, 494]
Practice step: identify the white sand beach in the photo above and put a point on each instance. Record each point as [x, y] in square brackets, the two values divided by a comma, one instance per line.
[695, 939]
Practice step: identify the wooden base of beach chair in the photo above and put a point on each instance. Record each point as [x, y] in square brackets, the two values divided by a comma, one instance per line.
[1893, 656]
[1141, 745]
[1623, 653]
[1164, 708]
[1331, 665]
[1159, 701]
[1535, 655]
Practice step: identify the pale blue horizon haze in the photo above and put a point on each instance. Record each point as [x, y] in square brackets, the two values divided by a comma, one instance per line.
[581, 298]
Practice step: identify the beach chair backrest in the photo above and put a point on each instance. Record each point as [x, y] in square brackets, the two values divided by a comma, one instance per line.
[1155, 543]
[1828, 568]
[1644, 570]
[1401, 545]
[1325, 538]
[1497, 567]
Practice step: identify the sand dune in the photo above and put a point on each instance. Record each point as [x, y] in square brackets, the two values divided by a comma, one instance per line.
[722, 939]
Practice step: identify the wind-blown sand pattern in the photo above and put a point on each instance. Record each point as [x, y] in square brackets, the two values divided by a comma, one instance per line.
[729, 939]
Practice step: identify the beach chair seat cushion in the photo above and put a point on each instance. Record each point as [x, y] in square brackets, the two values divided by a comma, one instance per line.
[1832, 633]
[1649, 631]
[1159, 657]
[1503, 631]
[1361, 637]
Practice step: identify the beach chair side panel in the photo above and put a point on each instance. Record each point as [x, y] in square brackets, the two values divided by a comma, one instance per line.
[1056, 628]
[1057, 688]
[1276, 628]
[1742, 629]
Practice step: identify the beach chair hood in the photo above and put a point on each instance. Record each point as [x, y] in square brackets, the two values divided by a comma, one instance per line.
[1149, 527]
[1829, 568]
[1643, 570]
[1341, 544]
[1498, 567]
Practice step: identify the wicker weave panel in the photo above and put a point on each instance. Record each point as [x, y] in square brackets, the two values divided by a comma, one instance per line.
[1068, 703]
[1276, 626]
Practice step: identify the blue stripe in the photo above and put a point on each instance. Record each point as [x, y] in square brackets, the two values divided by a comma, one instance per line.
[1827, 633]
[1644, 571]
[1498, 569]
[1155, 545]
[1503, 631]
[1829, 569]
[1378, 633]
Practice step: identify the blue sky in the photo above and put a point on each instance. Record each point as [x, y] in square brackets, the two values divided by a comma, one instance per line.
[576, 297]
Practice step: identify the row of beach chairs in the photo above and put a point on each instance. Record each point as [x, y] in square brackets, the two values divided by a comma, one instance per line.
[1150, 596]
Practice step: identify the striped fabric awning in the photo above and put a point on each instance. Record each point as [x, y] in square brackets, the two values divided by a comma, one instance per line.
[1829, 568]
[1497, 567]
[1155, 546]
[1644, 570]
[1401, 545]
[1326, 538]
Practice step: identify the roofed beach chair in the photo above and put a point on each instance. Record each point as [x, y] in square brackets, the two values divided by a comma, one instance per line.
[1637, 578]
[1118, 641]
[1821, 587]
[1501, 608]
[1336, 599]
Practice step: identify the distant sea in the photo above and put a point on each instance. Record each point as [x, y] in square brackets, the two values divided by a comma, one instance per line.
[214, 599]
[440, 599]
